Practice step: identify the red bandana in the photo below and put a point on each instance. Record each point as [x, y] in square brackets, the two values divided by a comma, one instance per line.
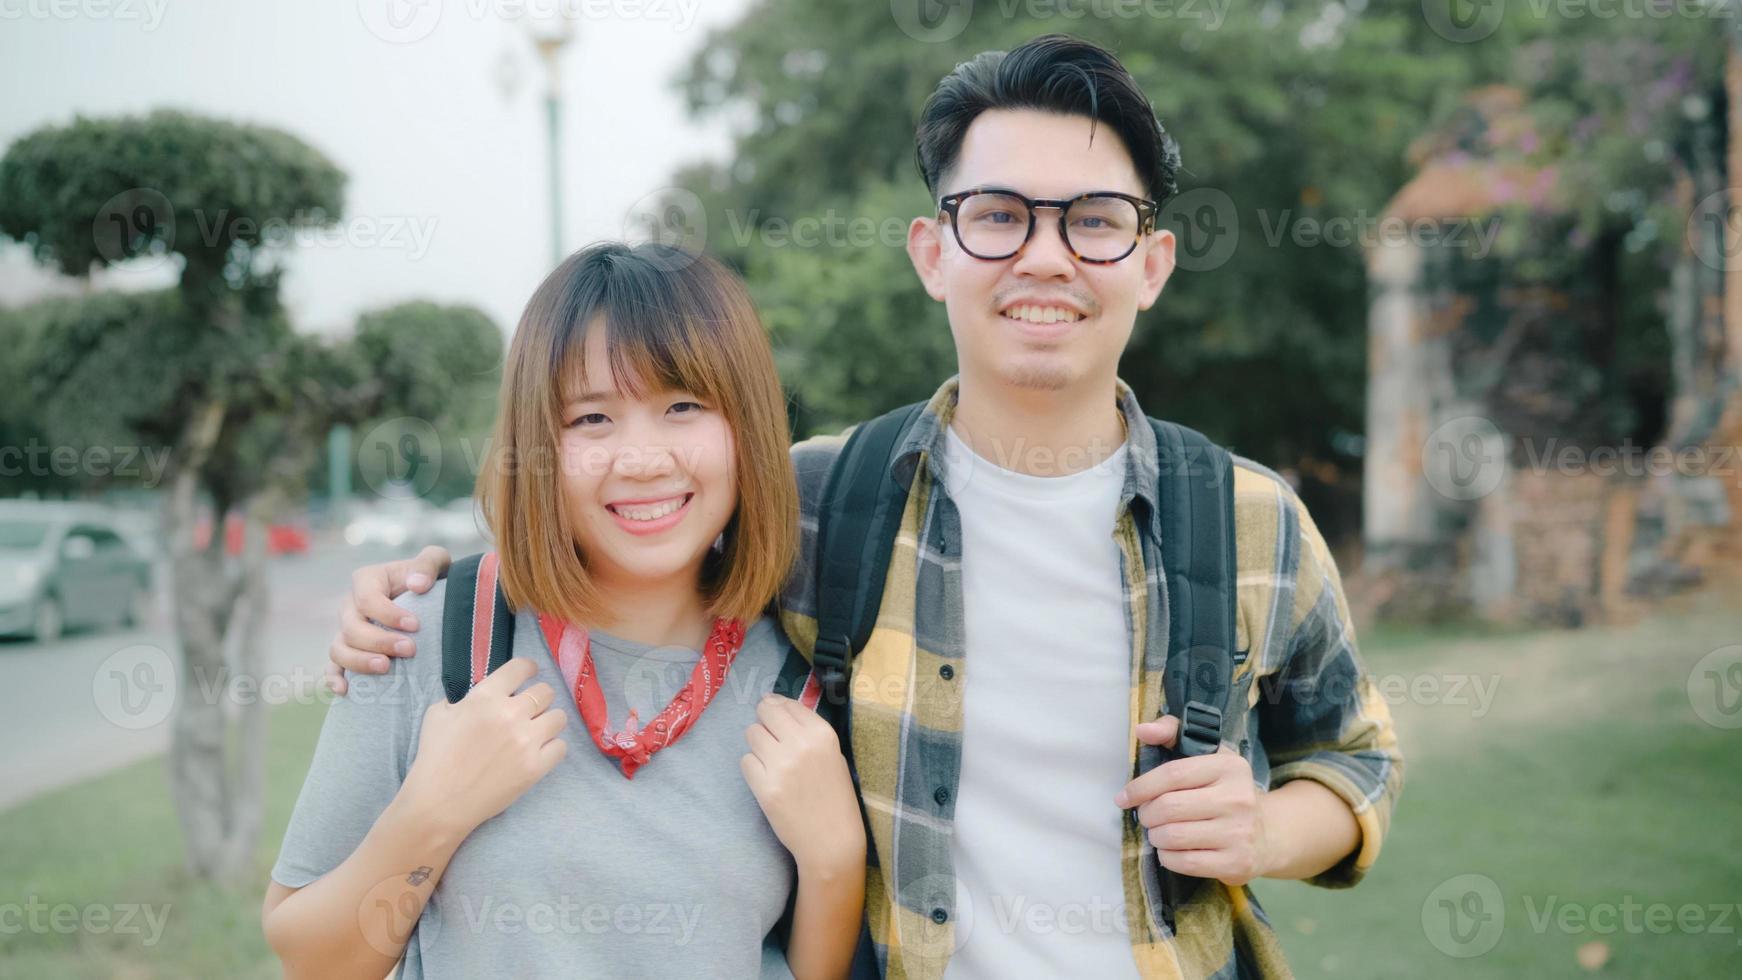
[635, 744]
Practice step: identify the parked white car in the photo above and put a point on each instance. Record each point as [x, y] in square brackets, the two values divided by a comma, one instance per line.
[67, 565]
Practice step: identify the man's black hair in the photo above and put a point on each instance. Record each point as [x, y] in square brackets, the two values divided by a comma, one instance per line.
[1053, 73]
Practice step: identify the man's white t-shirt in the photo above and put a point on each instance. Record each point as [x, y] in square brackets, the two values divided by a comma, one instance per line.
[1046, 723]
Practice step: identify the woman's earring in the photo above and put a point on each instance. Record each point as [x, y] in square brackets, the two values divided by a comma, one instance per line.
[720, 542]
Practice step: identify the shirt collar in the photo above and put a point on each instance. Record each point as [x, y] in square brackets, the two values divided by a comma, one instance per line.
[925, 441]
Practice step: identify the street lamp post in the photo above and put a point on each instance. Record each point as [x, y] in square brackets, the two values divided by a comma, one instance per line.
[550, 35]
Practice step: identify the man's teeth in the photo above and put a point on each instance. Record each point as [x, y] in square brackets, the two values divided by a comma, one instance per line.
[1042, 314]
[649, 512]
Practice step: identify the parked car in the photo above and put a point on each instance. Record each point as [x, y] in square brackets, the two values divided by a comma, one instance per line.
[67, 566]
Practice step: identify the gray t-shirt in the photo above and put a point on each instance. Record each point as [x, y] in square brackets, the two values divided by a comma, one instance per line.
[589, 874]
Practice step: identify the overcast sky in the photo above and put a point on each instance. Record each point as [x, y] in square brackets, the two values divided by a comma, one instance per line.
[432, 107]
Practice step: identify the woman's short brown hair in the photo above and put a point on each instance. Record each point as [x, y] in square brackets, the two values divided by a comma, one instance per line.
[672, 320]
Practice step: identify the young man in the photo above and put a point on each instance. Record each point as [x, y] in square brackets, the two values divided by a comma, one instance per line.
[1007, 712]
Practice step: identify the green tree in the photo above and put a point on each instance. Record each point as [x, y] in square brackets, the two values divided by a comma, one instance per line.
[212, 370]
[412, 350]
[22, 431]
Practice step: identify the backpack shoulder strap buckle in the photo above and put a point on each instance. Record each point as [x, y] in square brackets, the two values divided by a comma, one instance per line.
[829, 659]
[1200, 729]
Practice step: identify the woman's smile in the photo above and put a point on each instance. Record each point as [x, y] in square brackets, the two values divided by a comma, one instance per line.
[650, 515]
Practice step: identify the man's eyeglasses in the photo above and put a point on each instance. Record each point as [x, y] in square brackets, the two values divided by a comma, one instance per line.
[1098, 227]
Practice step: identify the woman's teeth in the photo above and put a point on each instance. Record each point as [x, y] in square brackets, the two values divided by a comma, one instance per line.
[1042, 314]
[648, 512]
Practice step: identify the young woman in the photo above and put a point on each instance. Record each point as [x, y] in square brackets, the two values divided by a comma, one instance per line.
[644, 514]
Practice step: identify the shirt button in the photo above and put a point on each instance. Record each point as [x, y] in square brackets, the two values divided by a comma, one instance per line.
[940, 916]
[946, 672]
[942, 795]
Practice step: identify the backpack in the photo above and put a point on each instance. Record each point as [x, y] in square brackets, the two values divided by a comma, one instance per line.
[856, 527]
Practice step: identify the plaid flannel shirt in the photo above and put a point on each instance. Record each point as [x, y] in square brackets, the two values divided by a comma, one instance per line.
[1302, 705]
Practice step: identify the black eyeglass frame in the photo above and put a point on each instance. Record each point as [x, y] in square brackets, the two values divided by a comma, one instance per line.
[950, 204]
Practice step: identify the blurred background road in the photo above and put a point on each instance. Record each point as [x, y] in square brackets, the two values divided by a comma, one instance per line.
[48, 700]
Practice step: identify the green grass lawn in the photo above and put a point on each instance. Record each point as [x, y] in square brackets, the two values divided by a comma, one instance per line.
[113, 841]
[1587, 783]
[1590, 784]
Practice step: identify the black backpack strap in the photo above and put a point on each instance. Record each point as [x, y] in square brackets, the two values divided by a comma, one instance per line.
[477, 625]
[1196, 525]
[1195, 522]
[797, 680]
[856, 526]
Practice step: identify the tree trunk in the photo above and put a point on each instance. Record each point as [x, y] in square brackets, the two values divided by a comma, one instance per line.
[218, 794]
[197, 603]
[248, 801]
